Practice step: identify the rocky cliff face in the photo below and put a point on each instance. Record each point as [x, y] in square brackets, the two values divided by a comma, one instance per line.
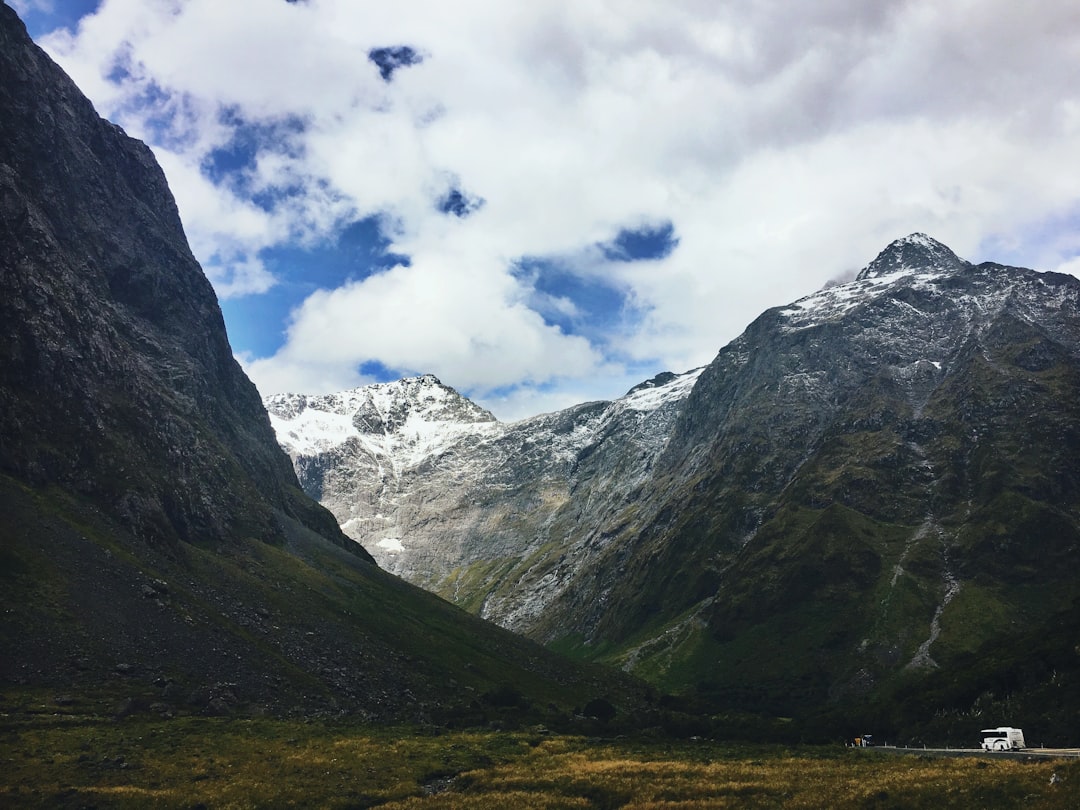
[156, 551]
[866, 487]
[117, 378]
[493, 516]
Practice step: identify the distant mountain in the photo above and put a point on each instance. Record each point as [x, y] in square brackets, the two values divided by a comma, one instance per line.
[873, 491]
[490, 515]
[156, 551]
[867, 486]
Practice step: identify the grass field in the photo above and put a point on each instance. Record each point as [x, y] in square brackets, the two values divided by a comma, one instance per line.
[51, 758]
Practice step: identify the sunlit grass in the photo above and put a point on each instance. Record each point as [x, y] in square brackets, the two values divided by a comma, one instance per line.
[702, 775]
[49, 760]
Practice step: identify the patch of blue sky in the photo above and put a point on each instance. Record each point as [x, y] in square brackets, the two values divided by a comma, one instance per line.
[1052, 240]
[44, 18]
[647, 243]
[249, 138]
[591, 304]
[577, 304]
[167, 117]
[390, 59]
[359, 251]
[379, 372]
[459, 203]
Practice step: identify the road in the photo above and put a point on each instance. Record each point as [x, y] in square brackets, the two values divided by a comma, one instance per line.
[1025, 753]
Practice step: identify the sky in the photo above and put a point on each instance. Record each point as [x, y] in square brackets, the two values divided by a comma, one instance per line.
[545, 202]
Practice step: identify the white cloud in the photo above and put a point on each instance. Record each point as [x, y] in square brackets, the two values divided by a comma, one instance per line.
[469, 325]
[786, 143]
[1072, 266]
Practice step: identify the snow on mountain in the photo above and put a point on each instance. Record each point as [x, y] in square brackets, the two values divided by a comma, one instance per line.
[652, 395]
[916, 252]
[555, 524]
[311, 430]
[411, 419]
[916, 262]
[432, 484]
[418, 418]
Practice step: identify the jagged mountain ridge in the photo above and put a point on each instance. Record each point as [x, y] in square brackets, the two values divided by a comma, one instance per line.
[442, 493]
[156, 551]
[872, 481]
[866, 486]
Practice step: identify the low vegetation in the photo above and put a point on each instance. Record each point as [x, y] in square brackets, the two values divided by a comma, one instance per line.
[53, 756]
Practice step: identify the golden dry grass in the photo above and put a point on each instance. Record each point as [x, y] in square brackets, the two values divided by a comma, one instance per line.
[686, 777]
[56, 761]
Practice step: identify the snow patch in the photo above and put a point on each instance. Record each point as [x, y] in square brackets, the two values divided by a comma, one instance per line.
[391, 544]
[651, 399]
[312, 431]
[833, 303]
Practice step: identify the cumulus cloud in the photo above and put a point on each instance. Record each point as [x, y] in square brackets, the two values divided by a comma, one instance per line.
[470, 325]
[783, 144]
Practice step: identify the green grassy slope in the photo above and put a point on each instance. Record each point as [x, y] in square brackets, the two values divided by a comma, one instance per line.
[90, 612]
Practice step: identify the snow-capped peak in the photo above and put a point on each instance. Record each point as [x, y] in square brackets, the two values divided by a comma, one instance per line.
[916, 260]
[381, 405]
[414, 412]
[416, 417]
[387, 407]
[916, 252]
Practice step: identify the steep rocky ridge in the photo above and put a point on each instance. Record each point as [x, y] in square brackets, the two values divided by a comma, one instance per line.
[864, 487]
[111, 329]
[493, 516]
[156, 551]
[874, 487]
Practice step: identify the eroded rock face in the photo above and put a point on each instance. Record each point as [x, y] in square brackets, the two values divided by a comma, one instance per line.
[493, 516]
[116, 376]
[857, 484]
[156, 551]
[866, 483]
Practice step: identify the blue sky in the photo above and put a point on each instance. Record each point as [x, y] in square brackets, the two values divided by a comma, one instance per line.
[547, 203]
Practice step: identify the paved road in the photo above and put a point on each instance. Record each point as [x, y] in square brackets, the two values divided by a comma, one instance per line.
[1026, 753]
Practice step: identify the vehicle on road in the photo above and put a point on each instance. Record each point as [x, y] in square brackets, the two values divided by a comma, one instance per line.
[1003, 738]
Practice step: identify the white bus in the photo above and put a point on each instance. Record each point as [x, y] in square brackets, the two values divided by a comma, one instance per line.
[1003, 738]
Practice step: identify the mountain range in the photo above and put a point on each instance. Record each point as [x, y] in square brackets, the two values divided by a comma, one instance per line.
[865, 508]
[157, 553]
[871, 495]
[476, 510]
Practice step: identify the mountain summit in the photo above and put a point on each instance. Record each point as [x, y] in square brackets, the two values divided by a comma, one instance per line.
[917, 253]
[484, 513]
[870, 497]
[410, 412]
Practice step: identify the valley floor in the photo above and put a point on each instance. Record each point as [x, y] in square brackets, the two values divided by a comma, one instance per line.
[50, 757]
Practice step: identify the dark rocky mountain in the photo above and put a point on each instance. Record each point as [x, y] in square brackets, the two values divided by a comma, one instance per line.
[869, 497]
[870, 487]
[117, 379]
[155, 546]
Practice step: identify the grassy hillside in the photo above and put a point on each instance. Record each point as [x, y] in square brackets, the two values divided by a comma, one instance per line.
[93, 613]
